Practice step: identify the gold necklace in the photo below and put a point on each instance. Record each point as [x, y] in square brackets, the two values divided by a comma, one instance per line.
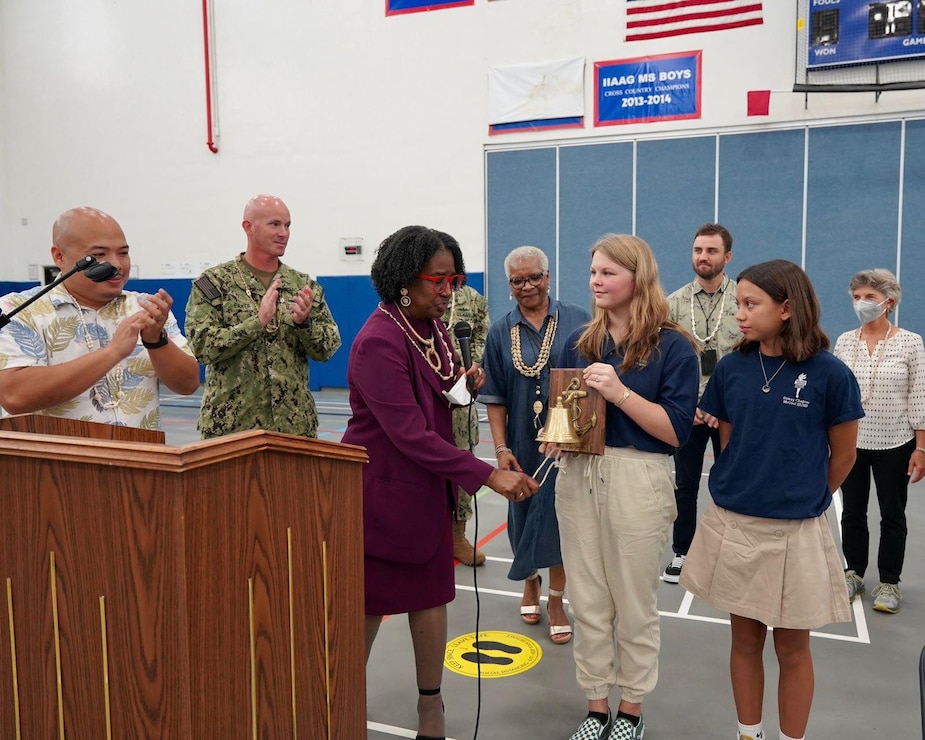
[767, 381]
[271, 327]
[113, 378]
[534, 370]
[879, 351]
[430, 354]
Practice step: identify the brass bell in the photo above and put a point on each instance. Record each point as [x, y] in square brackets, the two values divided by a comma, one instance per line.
[558, 427]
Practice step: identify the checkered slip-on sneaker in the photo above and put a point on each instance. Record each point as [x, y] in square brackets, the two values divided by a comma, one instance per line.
[623, 729]
[592, 729]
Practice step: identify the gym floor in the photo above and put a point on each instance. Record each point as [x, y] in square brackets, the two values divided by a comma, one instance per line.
[867, 671]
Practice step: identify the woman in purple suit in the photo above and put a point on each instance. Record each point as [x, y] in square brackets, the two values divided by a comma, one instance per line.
[400, 364]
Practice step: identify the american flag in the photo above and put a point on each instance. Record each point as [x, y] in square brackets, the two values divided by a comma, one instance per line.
[655, 19]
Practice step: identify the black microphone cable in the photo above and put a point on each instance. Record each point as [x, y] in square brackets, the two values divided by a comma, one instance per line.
[463, 333]
[475, 582]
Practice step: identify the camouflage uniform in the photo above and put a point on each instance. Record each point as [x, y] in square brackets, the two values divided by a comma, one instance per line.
[470, 306]
[256, 377]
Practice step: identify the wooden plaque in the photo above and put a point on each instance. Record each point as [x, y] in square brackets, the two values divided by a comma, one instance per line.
[590, 405]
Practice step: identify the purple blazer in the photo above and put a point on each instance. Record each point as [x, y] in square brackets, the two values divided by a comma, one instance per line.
[402, 418]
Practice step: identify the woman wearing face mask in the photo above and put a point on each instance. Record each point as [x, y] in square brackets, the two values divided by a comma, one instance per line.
[889, 364]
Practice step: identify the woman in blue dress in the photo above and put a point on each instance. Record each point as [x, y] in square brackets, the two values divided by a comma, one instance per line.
[516, 361]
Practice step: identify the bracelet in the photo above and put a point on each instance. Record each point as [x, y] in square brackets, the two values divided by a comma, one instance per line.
[920, 449]
[501, 448]
[626, 394]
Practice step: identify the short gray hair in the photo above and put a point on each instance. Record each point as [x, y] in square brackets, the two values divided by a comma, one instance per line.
[881, 280]
[522, 254]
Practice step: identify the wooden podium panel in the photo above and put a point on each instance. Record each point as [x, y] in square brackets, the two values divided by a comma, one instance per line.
[208, 591]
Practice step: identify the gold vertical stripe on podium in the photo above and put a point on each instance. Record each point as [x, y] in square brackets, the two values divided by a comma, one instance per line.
[15, 675]
[295, 730]
[106, 703]
[327, 636]
[250, 614]
[54, 614]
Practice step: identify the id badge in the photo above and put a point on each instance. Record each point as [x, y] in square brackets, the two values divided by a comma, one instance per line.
[707, 361]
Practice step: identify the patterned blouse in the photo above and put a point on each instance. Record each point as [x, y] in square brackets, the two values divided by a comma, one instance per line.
[892, 382]
[55, 330]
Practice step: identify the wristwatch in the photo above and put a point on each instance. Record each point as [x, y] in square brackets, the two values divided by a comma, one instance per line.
[156, 345]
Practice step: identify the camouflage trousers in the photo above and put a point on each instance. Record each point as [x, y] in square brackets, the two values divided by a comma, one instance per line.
[465, 431]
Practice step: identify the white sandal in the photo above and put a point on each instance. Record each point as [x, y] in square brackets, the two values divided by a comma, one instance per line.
[530, 613]
[561, 634]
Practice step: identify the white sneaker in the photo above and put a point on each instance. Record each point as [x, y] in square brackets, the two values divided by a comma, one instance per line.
[886, 598]
[673, 571]
[855, 585]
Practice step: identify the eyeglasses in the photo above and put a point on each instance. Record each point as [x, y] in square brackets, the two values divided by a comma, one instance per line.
[441, 281]
[534, 280]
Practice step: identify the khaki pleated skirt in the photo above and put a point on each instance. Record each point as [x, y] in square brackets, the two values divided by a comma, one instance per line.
[782, 572]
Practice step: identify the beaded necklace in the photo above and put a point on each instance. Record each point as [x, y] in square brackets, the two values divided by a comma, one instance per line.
[450, 321]
[878, 351]
[113, 378]
[534, 370]
[426, 347]
[273, 326]
[719, 319]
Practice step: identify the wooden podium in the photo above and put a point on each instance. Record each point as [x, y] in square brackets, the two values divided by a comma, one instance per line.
[213, 590]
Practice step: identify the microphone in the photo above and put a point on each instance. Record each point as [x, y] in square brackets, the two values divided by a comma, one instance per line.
[463, 333]
[98, 272]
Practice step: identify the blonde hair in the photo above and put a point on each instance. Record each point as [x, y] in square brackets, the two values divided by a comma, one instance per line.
[881, 280]
[648, 306]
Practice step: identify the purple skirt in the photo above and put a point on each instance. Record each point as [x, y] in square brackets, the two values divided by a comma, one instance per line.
[399, 588]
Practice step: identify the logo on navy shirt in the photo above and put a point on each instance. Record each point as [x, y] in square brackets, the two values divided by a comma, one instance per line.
[799, 384]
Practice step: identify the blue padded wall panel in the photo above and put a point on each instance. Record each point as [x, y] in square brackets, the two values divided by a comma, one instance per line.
[675, 187]
[521, 210]
[350, 298]
[912, 258]
[852, 211]
[761, 196]
[15, 286]
[595, 197]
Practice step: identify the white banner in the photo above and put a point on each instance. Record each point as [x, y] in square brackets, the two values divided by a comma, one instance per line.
[531, 92]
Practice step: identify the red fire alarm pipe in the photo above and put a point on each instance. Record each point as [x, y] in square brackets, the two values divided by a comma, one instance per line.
[205, 42]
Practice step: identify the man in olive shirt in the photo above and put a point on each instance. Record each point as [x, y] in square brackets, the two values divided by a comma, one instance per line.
[705, 307]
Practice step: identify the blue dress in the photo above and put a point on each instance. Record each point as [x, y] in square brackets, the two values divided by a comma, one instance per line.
[532, 526]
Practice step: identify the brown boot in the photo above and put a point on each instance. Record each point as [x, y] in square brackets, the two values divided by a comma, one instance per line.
[463, 550]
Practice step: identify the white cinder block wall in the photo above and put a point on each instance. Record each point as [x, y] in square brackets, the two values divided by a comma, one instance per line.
[361, 123]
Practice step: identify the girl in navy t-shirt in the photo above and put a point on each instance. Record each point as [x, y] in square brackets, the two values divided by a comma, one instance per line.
[764, 550]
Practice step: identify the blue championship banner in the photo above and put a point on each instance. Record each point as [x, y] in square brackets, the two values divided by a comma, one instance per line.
[397, 7]
[654, 88]
[864, 32]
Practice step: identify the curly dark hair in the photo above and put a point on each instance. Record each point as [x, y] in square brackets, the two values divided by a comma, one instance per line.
[401, 258]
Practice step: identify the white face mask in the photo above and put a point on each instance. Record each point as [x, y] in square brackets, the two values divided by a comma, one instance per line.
[868, 311]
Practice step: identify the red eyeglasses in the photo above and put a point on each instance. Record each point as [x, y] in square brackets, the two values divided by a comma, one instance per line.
[441, 281]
